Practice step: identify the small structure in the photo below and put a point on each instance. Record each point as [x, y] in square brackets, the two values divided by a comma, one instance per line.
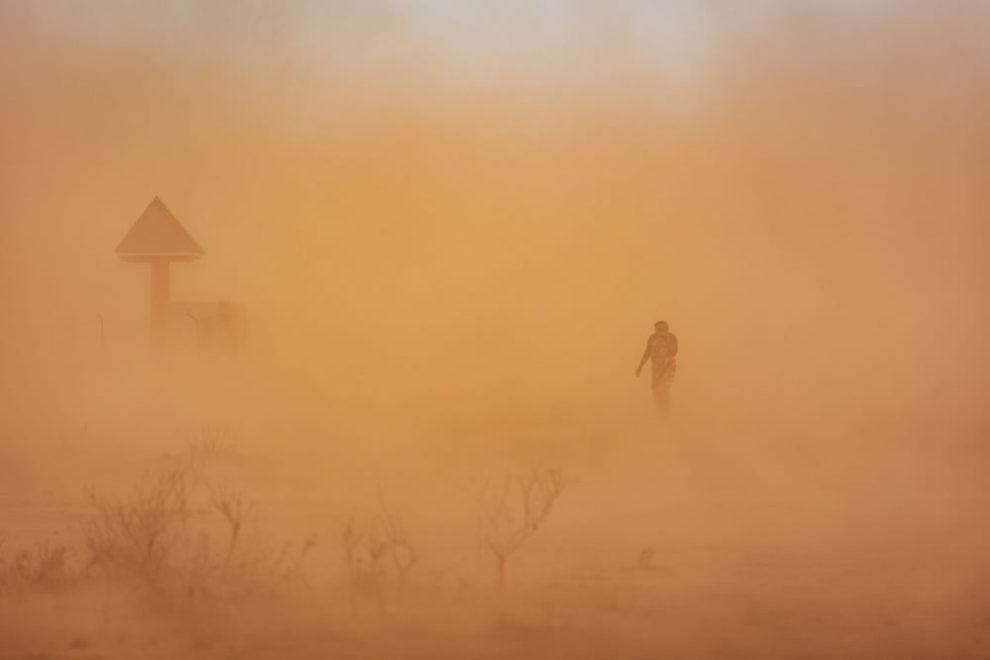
[158, 238]
[216, 324]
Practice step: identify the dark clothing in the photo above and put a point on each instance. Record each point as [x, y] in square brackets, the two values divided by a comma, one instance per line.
[661, 349]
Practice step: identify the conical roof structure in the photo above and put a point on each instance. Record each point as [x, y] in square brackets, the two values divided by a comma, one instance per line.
[158, 235]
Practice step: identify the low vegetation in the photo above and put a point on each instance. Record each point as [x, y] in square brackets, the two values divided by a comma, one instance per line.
[47, 566]
[514, 511]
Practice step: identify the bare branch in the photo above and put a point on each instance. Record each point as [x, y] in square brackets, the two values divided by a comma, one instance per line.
[501, 531]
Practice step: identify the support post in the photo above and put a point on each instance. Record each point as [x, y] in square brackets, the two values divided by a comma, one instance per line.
[161, 295]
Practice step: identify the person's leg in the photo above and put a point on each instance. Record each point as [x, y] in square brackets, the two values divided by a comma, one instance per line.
[661, 397]
[663, 378]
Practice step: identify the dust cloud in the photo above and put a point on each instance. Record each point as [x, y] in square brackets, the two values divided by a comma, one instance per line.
[448, 233]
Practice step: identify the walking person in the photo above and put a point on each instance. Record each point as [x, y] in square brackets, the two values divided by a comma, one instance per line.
[661, 348]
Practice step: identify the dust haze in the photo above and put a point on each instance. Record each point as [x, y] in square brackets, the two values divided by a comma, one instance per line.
[448, 231]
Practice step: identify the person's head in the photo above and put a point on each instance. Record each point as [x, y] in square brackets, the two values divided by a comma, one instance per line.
[661, 326]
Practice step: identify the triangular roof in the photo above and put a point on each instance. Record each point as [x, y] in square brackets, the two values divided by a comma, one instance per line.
[158, 235]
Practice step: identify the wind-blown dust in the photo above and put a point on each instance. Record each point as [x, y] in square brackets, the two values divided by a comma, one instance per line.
[449, 253]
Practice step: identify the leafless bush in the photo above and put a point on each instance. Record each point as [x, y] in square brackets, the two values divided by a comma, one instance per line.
[140, 534]
[209, 442]
[180, 530]
[257, 564]
[514, 511]
[47, 566]
[235, 510]
[286, 565]
[378, 554]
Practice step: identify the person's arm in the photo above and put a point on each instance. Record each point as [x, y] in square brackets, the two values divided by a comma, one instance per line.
[646, 356]
[673, 345]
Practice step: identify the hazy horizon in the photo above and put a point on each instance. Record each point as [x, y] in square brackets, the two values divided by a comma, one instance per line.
[451, 227]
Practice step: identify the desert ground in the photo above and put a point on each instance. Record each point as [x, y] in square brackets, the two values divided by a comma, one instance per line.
[675, 539]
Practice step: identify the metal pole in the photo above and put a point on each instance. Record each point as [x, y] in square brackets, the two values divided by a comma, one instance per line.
[160, 295]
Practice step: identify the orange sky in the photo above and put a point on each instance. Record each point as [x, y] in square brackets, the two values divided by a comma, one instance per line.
[808, 214]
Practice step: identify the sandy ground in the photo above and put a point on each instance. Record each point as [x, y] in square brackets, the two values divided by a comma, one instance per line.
[674, 543]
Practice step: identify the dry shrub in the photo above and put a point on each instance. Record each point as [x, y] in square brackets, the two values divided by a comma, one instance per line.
[142, 534]
[235, 510]
[379, 555]
[179, 531]
[514, 511]
[47, 567]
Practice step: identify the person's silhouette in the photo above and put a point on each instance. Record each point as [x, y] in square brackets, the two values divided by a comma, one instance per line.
[661, 348]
